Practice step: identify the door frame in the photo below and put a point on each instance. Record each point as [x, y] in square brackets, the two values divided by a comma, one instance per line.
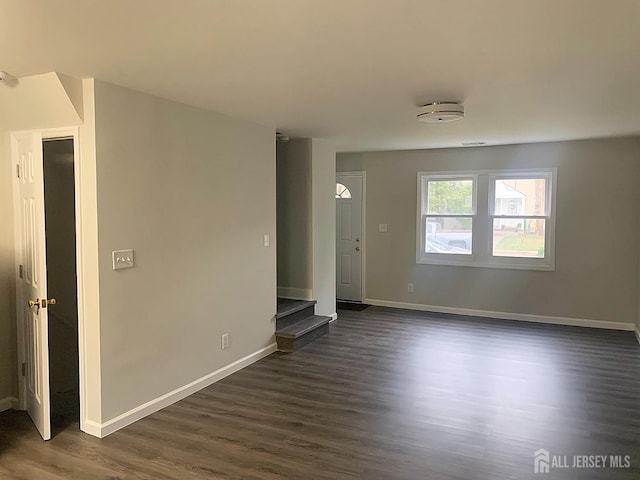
[52, 134]
[363, 266]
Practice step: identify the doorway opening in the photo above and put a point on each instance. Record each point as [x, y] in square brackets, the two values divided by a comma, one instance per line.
[350, 238]
[61, 262]
[51, 352]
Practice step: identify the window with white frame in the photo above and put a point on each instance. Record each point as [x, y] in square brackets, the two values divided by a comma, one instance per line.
[511, 226]
[448, 209]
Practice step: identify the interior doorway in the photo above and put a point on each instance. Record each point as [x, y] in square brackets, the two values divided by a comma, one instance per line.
[46, 232]
[60, 231]
[350, 241]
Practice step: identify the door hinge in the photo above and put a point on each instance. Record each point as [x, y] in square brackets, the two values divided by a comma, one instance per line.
[18, 170]
[21, 271]
[24, 369]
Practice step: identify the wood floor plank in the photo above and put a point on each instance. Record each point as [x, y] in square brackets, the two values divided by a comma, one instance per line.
[388, 394]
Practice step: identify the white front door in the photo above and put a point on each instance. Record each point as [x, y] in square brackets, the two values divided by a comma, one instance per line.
[349, 242]
[32, 278]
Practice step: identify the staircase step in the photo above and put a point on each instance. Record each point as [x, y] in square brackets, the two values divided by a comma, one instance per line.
[287, 306]
[303, 326]
[291, 311]
[302, 332]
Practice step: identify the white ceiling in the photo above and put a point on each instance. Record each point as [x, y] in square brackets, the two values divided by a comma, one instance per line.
[353, 71]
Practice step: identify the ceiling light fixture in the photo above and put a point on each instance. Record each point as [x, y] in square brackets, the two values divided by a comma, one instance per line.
[441, 112]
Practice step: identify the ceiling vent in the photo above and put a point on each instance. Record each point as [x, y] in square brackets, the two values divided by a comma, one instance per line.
[441, 112]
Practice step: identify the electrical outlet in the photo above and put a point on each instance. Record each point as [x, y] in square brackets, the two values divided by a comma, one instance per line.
[410, 288]
[225, 341]
[265, 240]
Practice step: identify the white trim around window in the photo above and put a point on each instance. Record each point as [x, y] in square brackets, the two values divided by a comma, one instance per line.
[462, 253]
[484, 217]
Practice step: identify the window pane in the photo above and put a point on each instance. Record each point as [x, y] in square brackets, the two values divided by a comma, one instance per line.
[450, 235]
[518, 237]
[450, 197]
[520, 196]
[342, 191]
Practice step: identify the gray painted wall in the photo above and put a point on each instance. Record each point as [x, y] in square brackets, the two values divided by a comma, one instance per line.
[293, 164]
[323, 160]
[597, 236]
[193, 192]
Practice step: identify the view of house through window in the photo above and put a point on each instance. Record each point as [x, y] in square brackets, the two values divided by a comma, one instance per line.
[519, 217]
[510, 225]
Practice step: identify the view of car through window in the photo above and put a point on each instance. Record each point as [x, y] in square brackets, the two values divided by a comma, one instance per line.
[449, 216]
[512, 211]
[437, 246]
[453, 238]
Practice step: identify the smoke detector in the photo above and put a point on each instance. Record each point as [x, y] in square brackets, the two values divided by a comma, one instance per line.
[440, 112]
[3, 76]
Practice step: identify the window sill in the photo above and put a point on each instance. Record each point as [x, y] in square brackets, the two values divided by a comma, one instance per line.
[470, 262]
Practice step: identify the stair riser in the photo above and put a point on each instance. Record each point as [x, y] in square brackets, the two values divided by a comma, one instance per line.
[294, 317]
[291, 345]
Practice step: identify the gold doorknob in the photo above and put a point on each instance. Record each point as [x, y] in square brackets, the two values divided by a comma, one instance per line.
[357, 249]
[42, 303]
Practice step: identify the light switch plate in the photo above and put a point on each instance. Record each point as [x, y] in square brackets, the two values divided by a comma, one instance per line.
[122, 259]
[382, 227]
[266, 240]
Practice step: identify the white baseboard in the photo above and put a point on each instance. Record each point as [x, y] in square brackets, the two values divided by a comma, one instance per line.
[525, 317]
[135, 414]
[92, 428]
[334, 317]
[295, 293]
[638, 334]
[9, 403]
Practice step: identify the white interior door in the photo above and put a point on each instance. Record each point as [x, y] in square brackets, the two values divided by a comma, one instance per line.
[349, 242]
[32, 281]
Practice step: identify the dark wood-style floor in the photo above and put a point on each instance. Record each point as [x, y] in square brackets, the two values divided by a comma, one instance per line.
[388, 394]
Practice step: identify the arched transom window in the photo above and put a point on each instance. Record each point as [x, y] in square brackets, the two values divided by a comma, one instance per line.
[342, 191]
